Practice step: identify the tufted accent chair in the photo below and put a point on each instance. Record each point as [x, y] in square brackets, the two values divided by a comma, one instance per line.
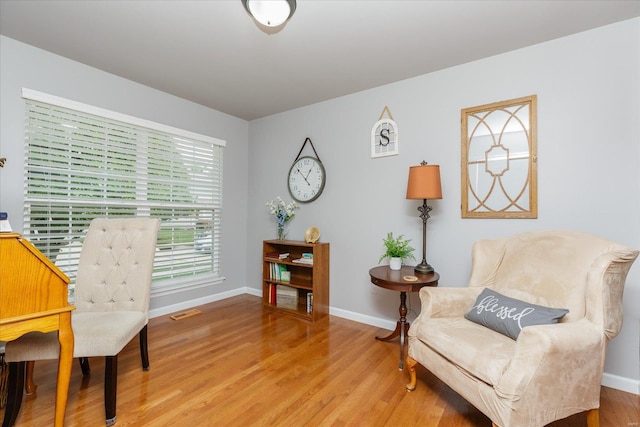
[551, 371]
[113, 287]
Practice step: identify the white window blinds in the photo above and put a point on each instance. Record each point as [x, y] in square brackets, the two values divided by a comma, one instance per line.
[82, 162]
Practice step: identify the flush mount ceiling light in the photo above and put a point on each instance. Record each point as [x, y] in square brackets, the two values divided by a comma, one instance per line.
[270, 13]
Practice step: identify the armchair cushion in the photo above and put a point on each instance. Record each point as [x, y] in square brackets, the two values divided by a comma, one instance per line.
[509, 315]
[476, 350]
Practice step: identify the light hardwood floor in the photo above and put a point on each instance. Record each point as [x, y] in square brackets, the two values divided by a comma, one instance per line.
[235, 365]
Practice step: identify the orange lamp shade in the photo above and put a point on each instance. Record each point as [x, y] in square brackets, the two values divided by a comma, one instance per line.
[424, 182]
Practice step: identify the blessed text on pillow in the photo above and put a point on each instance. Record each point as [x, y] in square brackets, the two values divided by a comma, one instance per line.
[509, 315]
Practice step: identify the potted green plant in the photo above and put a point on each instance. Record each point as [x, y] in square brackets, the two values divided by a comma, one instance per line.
[396, 249]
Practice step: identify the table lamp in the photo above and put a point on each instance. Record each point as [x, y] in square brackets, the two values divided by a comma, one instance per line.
[424, 183]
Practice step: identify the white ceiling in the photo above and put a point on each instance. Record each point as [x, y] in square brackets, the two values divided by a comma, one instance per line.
[212, 53]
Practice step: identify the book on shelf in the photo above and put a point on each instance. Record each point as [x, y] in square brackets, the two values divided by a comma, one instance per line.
[285, 276]
[272, 294]
[306, 261]
[309, 302]
[276, 271]
[277, 255]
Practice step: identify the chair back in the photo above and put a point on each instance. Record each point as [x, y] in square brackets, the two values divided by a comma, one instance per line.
[563, 269]
[116, 265]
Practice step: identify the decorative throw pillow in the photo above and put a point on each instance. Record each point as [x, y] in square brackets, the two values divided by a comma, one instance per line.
[509, 315]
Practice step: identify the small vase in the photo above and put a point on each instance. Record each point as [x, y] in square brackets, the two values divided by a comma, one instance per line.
[282, 231]
[395, 263]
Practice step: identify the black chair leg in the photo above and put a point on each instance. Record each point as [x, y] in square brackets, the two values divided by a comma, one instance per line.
[144, 350]
[110, 388]
[84, 365]
[15, 389]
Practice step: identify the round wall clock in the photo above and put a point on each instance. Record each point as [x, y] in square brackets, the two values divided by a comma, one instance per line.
[306, 179]
[384, 138]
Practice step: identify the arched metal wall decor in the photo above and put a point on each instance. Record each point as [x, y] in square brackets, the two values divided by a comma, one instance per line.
[499, 160]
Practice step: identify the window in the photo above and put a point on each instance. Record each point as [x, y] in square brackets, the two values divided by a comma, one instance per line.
[83, 162]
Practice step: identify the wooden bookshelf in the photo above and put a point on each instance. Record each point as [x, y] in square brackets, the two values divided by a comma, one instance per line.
[305, 279]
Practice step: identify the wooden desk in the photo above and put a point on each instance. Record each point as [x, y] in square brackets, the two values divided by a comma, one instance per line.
[33, 297]
[395, 280]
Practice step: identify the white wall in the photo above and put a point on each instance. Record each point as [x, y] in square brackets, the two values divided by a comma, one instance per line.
[22, 65]
[589, 169]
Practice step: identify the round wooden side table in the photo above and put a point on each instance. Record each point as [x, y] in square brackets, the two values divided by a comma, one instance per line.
[401, 280]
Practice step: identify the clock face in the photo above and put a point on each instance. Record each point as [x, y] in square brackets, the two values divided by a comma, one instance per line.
[384, 138]
[306, 179]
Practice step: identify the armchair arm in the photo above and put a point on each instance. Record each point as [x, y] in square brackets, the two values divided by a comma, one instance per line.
[555, 363]
[447, 302]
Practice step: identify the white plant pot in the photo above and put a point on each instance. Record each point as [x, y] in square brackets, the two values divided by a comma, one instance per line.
[395, 263]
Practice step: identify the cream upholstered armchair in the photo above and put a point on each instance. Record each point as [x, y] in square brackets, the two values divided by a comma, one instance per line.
[550, 371]
[113, 287]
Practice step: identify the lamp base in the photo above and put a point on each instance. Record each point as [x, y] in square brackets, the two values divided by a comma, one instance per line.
[423, 268]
